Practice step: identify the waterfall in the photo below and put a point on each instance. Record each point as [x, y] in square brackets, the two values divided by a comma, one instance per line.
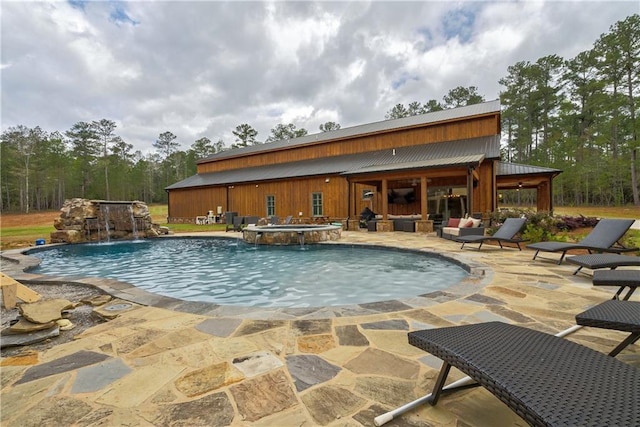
[106, 221]
[301, 238]
[134, 228]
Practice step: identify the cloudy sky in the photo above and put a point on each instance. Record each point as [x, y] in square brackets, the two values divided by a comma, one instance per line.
[202, 68]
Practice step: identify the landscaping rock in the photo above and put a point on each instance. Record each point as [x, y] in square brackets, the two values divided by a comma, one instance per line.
[45, 311]
[14, 340]
[24, 327]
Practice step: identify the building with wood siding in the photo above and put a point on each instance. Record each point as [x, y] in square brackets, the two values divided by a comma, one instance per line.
[445, 162]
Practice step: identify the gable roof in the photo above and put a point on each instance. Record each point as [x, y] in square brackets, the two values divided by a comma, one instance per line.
[360, 130]
[508, 169]
[435, 155]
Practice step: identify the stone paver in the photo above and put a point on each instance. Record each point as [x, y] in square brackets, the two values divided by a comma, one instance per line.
[195, 364]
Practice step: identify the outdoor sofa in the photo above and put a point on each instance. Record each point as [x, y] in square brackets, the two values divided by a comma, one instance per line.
[458, 227]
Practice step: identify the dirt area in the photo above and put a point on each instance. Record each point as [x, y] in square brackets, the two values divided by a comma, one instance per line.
[82, 316]
[31, 219]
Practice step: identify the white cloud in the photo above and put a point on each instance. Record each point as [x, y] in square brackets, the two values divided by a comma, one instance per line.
[201, 68]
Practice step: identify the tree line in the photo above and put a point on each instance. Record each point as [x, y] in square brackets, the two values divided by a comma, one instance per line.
[578, 115]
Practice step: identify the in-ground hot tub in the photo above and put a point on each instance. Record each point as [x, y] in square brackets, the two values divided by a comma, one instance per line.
[292, 234]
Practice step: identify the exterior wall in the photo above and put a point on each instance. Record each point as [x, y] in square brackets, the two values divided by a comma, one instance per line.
[433, 133]
[291, 198]
[192, 202]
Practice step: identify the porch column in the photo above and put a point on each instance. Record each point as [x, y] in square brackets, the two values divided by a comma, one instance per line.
[353, 223]
[424, 225]
[423, 197]
[385, 200]
[469, 191]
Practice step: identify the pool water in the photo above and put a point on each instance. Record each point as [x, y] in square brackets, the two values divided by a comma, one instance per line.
[230, 272]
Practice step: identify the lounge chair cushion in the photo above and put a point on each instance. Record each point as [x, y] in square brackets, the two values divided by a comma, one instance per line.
[548, 381]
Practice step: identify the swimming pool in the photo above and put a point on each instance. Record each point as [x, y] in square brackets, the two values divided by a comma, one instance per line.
[231, 272]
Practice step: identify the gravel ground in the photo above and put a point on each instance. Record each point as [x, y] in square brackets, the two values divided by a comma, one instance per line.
[82, 316]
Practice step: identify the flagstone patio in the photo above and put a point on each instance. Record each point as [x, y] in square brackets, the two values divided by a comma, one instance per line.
[163, 362]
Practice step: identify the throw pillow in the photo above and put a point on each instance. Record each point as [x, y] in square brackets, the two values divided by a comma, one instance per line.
[469, 224]
[476, 222]
[453, 222]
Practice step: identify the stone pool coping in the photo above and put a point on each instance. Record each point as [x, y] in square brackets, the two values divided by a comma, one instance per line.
[16, 261]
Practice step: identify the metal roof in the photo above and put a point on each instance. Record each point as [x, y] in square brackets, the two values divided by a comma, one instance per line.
[460, 152]
[385, 125]
[506, 169]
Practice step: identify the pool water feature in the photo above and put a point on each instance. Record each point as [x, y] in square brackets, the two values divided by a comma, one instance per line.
[291, 234]
[231, 272]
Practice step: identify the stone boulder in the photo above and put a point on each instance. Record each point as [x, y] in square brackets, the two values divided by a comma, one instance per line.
[45, 311]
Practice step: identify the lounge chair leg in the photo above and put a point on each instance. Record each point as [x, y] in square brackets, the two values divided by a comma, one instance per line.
[479, 247]
[388, 416]
[629, 340]
[632, 289]
[535, 255]
[437, 388]
[562, 257]
[577, 271]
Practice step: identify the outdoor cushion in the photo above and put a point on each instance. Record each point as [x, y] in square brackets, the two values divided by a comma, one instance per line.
[453, 222]
[465, 223]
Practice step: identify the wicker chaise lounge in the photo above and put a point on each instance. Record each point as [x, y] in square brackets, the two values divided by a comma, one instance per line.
[617, 315]
[597, 261]
[602, 238]
[505, 234]
[546, 380]
[620, 278]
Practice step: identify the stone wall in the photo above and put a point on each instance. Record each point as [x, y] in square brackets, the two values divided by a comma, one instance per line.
[83, 220]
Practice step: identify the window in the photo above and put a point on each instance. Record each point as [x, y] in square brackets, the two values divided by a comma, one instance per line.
[271, 205]
[316, 204]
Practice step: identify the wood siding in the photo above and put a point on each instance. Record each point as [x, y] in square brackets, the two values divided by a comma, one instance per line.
[291, 198]
[192, 202]
[439, 132]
